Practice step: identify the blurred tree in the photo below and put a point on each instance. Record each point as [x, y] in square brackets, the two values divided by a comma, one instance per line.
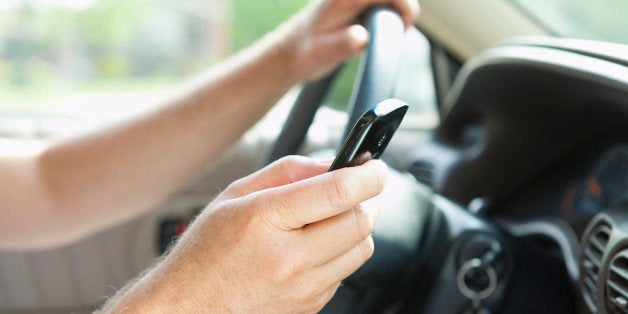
[109, 24]
[253, 19]
[19, 47]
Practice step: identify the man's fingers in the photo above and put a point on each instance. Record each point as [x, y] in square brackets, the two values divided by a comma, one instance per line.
[281, 172]
[337, 13]
[333, 48]
[409, 10]
[329, 275]
[346, 264]
[330, 238]
[296, 205]
[337, 38]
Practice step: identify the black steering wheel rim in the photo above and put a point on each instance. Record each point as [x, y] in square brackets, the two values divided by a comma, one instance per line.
[375, 81]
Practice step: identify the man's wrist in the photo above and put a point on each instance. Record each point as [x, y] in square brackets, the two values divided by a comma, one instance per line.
[280, 50]
[150, 293]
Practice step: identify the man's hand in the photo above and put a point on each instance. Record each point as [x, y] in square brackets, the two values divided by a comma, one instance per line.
[324, 34]
[279, 240]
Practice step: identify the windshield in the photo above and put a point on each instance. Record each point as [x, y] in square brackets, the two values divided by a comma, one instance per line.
[584, 19]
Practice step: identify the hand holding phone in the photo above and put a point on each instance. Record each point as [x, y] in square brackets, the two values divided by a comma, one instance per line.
[371, 134]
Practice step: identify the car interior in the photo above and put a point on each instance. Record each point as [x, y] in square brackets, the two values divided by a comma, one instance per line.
[508, 178]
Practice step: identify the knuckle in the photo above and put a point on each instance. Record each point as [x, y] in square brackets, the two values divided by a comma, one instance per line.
[290, 162]
[286, 161]
[309, 294]
[235, 188]
[339, 191]
[260, 211]
[325, 297]
[298, 263]
[287, 165]
[283, 269]
[367, 248]
[380, 180]
[320, 300]
[270, 211]
[264, 218]
[281, 216]
[287, 264]
[363, 223]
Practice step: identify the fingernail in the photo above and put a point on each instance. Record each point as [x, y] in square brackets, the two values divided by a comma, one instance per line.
[359, 33]
[416, 10]
[359, 37]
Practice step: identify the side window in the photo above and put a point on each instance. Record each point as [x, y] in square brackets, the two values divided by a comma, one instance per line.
[55, 51]
[68, 65]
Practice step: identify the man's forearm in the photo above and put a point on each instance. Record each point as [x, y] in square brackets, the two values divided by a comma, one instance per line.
[114, 174]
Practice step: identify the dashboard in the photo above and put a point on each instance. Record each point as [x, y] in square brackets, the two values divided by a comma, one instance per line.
[533, 142]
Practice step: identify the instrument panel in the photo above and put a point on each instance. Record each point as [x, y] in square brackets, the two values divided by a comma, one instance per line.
[577, 188]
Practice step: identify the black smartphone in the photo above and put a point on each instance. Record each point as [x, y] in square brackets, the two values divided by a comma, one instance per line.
[371, 134]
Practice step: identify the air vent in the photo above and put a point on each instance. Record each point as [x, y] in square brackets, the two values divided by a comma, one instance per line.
[617, 284]
[423, 171]
[593, 250]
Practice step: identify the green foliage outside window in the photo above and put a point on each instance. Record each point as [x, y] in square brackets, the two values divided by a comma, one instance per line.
[253, 19]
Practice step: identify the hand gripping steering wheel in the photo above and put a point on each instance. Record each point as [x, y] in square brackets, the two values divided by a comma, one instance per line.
[375, 81]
